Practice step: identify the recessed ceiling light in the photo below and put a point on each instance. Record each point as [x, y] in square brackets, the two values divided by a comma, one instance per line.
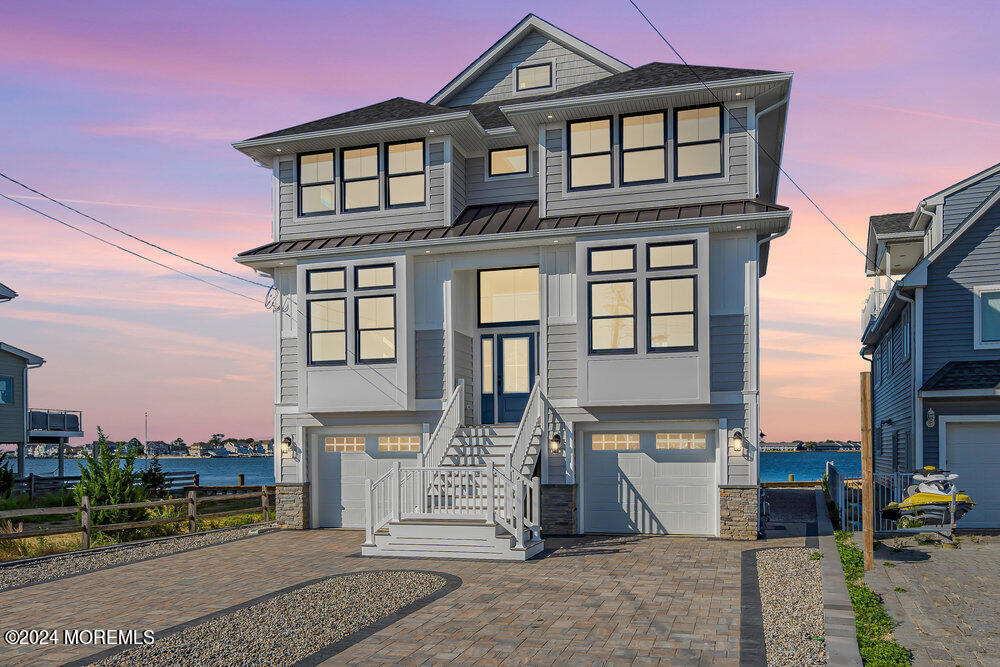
[556, 241]
[278, 149]
[739, 226]
[431, 131]
[549, 116]
[738, 93]
[427, 252]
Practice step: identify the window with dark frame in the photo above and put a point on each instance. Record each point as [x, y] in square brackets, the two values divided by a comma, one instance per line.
[325, 280]
[508, 161]
[6, 390]
[672, 321]
[672, 255]
[508, 296]
[374, 276]
[316, 183]
[610, 260]
[326, 326]
[405, 178]
[644, 148]
[359, 175]
[611, 316]
[589, 154]
[376, 328]
[531, 77]
[698, 142]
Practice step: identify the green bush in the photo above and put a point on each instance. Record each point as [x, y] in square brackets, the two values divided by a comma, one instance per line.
[6, 476]
[153, 479]
[110, 479]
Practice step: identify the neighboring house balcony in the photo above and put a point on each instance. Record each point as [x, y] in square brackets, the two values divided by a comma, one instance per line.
[54, 425]
[873, 305]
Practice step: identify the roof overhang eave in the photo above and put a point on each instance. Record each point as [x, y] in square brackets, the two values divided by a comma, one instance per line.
[766, 222]
[959, 393]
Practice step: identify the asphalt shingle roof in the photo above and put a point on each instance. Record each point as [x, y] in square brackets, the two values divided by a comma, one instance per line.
[965, 375]
[651, 75]
[521, 216]
[891, 223]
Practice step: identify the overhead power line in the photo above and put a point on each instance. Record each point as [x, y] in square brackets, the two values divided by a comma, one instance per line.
[125, 233]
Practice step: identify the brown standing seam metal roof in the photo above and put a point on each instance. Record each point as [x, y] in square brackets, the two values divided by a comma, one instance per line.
[512, 217]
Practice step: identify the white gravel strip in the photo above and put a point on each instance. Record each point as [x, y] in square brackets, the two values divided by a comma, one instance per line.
[83, 561]
[287, 627]
[791, 594]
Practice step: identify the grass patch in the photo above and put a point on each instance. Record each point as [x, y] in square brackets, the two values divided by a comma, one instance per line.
[899, 589]
[874, 625]
[816, 555]
[22, 502]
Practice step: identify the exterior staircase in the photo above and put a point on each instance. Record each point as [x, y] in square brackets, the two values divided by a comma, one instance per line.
[471, 495]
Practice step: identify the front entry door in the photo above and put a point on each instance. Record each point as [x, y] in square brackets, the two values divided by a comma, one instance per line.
[508, 365]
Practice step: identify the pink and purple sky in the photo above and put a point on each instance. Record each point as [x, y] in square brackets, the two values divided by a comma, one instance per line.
[128, 110]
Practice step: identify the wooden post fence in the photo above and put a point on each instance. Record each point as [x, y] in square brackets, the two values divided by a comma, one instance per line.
[263, 500]
[192, 512]
[85, 522]
[240, 479]
[867, 490]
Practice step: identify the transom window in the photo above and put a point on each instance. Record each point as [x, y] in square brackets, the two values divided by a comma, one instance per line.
[698, 151]
[374, 277]
[325, 280]
[609, 260]
[508, 296]
[672, 313]
[507, 161]
[326, 324]
[644, 153]
[612, 316]
[614, 441]
[405, 173]
[376, 324]
[345, 443]
[316, 186]
[673, 255]
[399, 443]
[590, 154]
[681, 440]
[359, 167]
[529, 77]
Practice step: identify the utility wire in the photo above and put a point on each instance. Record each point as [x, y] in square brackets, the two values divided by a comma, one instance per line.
[748, 133]
[131, 236]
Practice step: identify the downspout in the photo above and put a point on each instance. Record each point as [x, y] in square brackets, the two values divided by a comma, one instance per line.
[756, 127]
[913, 374]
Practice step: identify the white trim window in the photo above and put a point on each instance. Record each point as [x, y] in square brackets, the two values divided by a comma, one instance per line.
[533, 77]
[904, 323]
[986, 317]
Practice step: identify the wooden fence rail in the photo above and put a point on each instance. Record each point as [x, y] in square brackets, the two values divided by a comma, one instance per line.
[86, 514]
[35, 485]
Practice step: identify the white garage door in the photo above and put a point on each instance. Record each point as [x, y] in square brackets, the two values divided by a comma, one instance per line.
[343, 464]
[973, 451]
[649, 482]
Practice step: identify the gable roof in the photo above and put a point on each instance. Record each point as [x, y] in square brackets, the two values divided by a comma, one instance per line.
[513, 36]
[958, 375]
[517, 217]
[6, 293]
[890, 223]
[32, 359]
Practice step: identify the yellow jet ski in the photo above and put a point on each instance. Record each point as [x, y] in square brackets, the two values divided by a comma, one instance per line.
[929, 501]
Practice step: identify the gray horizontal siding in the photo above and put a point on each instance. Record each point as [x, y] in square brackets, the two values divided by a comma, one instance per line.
[562, 360]
[932, 449]
[892, 409]
[289, 371]
[291, 227]
[561, 202]
[288, 471]
[430, 363]
[490, 191]
[497, 81]
[728, 347]
[12, 416]
[458, 183]
[958, 205]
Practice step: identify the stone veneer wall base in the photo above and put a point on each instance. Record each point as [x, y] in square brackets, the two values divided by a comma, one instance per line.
[739, 511]
[558, 509]
[292, 505]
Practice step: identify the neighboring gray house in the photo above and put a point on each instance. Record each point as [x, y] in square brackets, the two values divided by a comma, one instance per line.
[932, 327]
[537, 292]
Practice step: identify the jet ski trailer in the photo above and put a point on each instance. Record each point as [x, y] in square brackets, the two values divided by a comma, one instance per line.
[934, 501]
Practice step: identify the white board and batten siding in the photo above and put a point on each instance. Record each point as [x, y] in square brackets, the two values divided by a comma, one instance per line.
[497, 81]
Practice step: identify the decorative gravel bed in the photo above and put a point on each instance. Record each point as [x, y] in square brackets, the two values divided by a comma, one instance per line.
[302, 623]
[14, 575]
[791, 593]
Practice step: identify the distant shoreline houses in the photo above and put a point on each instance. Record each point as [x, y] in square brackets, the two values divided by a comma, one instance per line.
[228, 447]
[811, 446]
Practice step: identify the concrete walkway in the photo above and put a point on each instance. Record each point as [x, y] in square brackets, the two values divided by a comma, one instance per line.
[593, 599]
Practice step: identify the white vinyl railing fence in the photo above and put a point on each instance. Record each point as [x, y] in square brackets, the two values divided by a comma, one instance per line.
[845, 492]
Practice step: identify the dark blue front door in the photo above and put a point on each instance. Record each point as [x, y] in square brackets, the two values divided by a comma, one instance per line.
[515, 374]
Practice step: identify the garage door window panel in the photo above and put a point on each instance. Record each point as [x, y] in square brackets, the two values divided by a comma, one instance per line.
[618, 442]
[399, 443]
[344, 444]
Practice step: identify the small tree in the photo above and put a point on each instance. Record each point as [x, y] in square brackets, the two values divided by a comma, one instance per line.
[6, 476]
[216, 438]
[152, 477]
[110, 479]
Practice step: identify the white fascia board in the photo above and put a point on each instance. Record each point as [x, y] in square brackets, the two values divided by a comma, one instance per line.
[528, 23]
[621, 96]
[32, 359]
[959, 393]
[724, 223]
[938, 197]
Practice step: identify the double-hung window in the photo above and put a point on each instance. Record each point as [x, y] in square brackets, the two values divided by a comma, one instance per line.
[644, 152]
[672, 317]
[326, 321]
[375, 315]
[359, 169]
[698, 142]
[316, 186]
[590, 154]
[405, 182]
[611, 300]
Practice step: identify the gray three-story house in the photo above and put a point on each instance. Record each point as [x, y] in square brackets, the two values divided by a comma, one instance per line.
[528, 305]
[931, 328]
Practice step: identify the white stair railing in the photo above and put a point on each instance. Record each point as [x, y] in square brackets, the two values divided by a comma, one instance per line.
[378, 505]
[517, 455]
[448, 425]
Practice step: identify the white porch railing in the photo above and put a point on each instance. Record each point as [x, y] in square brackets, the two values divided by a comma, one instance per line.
[873, 305]
[845, 492]
[447, 426]
[533, 417]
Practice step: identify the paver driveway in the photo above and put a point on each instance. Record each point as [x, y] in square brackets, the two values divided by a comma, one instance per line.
[591, 599]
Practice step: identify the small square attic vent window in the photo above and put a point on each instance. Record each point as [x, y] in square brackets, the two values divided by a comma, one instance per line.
[530, 77]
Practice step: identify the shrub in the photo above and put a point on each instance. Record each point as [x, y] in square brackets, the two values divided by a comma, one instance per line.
[153, 479]
[110, 479]
[6, 476]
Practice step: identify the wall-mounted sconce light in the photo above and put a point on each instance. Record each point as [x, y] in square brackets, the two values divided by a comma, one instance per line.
[737, 441]
[931, 418]
[286, 445]
[555, 443]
